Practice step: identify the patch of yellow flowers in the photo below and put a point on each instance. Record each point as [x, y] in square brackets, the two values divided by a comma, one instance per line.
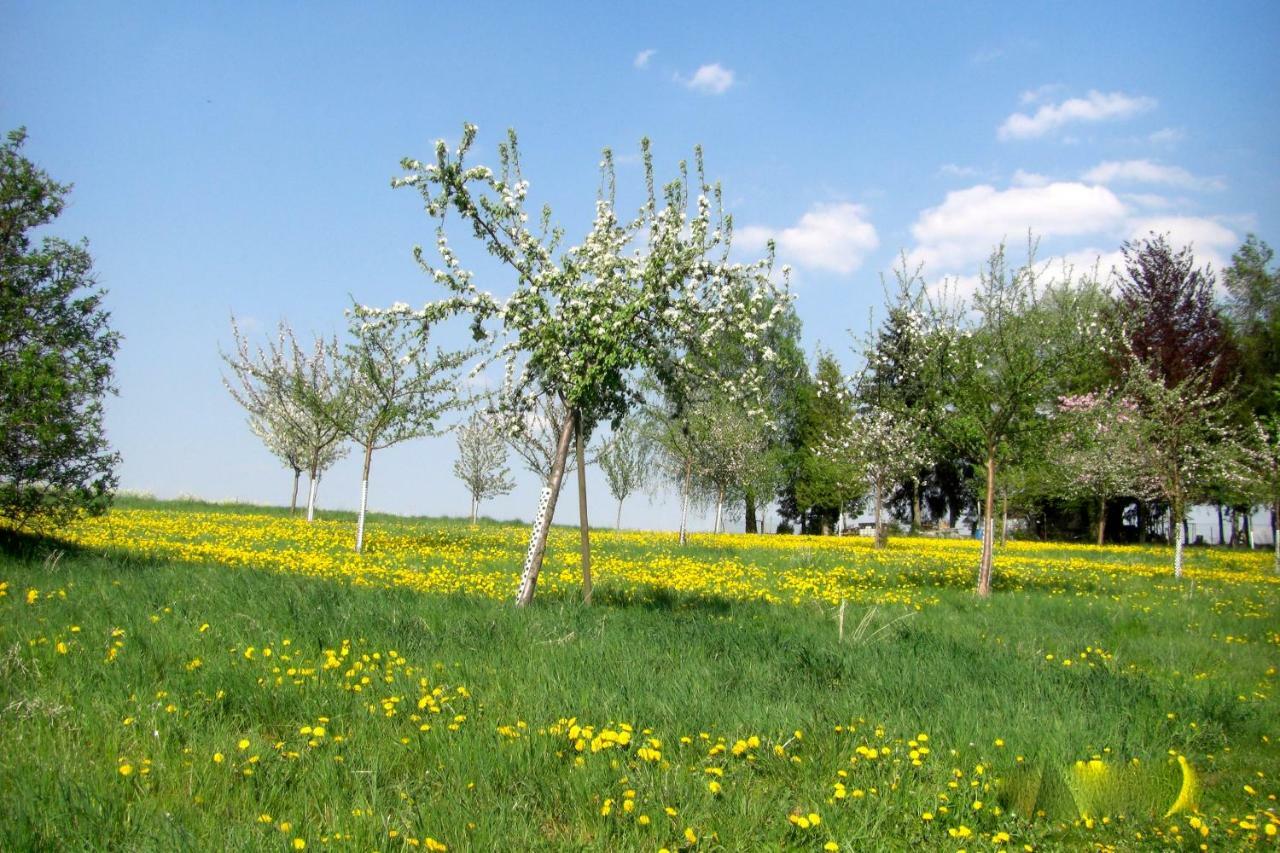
[485, 560]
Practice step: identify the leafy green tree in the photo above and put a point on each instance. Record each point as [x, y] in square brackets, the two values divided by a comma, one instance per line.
[1004, 365]
[56, 347]
[899, 376]
[1252, 283]
[819, 487]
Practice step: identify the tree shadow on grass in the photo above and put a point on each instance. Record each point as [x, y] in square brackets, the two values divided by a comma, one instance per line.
[34, 546]
[655, 599]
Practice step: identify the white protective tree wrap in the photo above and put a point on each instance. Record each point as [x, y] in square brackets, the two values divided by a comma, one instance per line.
[311, 499]
[364, 502]
[527, 576]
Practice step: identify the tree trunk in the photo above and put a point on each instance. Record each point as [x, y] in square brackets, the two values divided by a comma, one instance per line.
[1102, 519]
[618, 524]
[584, 532]
[1248, 529]
[879, 510]
[719, 510]
[475, 509]
[1004, 518]
[1275, 535]
[364, 498]
[684, 509]
[1222, 535]
[915, 505]
[293, 500]
[1142, 523]
[751, 513]
[311, 495]
[542, 522]
[988, 529]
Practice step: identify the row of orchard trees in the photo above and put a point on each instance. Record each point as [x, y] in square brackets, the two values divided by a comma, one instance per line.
[1046, 385]
[1053, 388]
[383, 387]
[646, 310]
[1043, 389]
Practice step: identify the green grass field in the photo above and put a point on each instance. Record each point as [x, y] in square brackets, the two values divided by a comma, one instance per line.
[181, 676]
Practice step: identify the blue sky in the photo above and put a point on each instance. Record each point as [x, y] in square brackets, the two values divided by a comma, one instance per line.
[236, 157]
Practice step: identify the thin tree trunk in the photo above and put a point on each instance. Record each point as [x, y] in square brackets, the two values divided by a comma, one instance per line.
[618, 524]
[311, 495]
[684, 510]
[293, 500]
[1222, 536]
[1275, 535]
[750, 513]
[1102, 519]
[719, 509]
[879, 509]
[1004, 518]
[1177, 557]
[988, 530]
[542, 522]
[915, 505]
[1248, 529]
[475, 508]
[584, 532]
[1142, 523]
[364, 498]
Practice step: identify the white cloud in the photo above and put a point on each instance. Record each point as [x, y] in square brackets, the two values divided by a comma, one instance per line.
[1146, 172]
[833, 237]
[712, 79]
[1152, 201]
[1084, 262]
[1030, 179]
[969, 222]
[643, 57]
[1096, 106]
[1210, 240]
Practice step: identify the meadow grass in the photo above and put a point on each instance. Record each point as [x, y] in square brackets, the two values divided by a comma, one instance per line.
[193, 676]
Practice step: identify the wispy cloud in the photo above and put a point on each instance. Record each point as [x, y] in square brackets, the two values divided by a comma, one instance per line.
[1022, 178]
[951, 170]
[710, 79]
[1147, 172]
[1167, 136]
[1032, 96]
[643, 57]
[1094, 107]
[832, 237]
